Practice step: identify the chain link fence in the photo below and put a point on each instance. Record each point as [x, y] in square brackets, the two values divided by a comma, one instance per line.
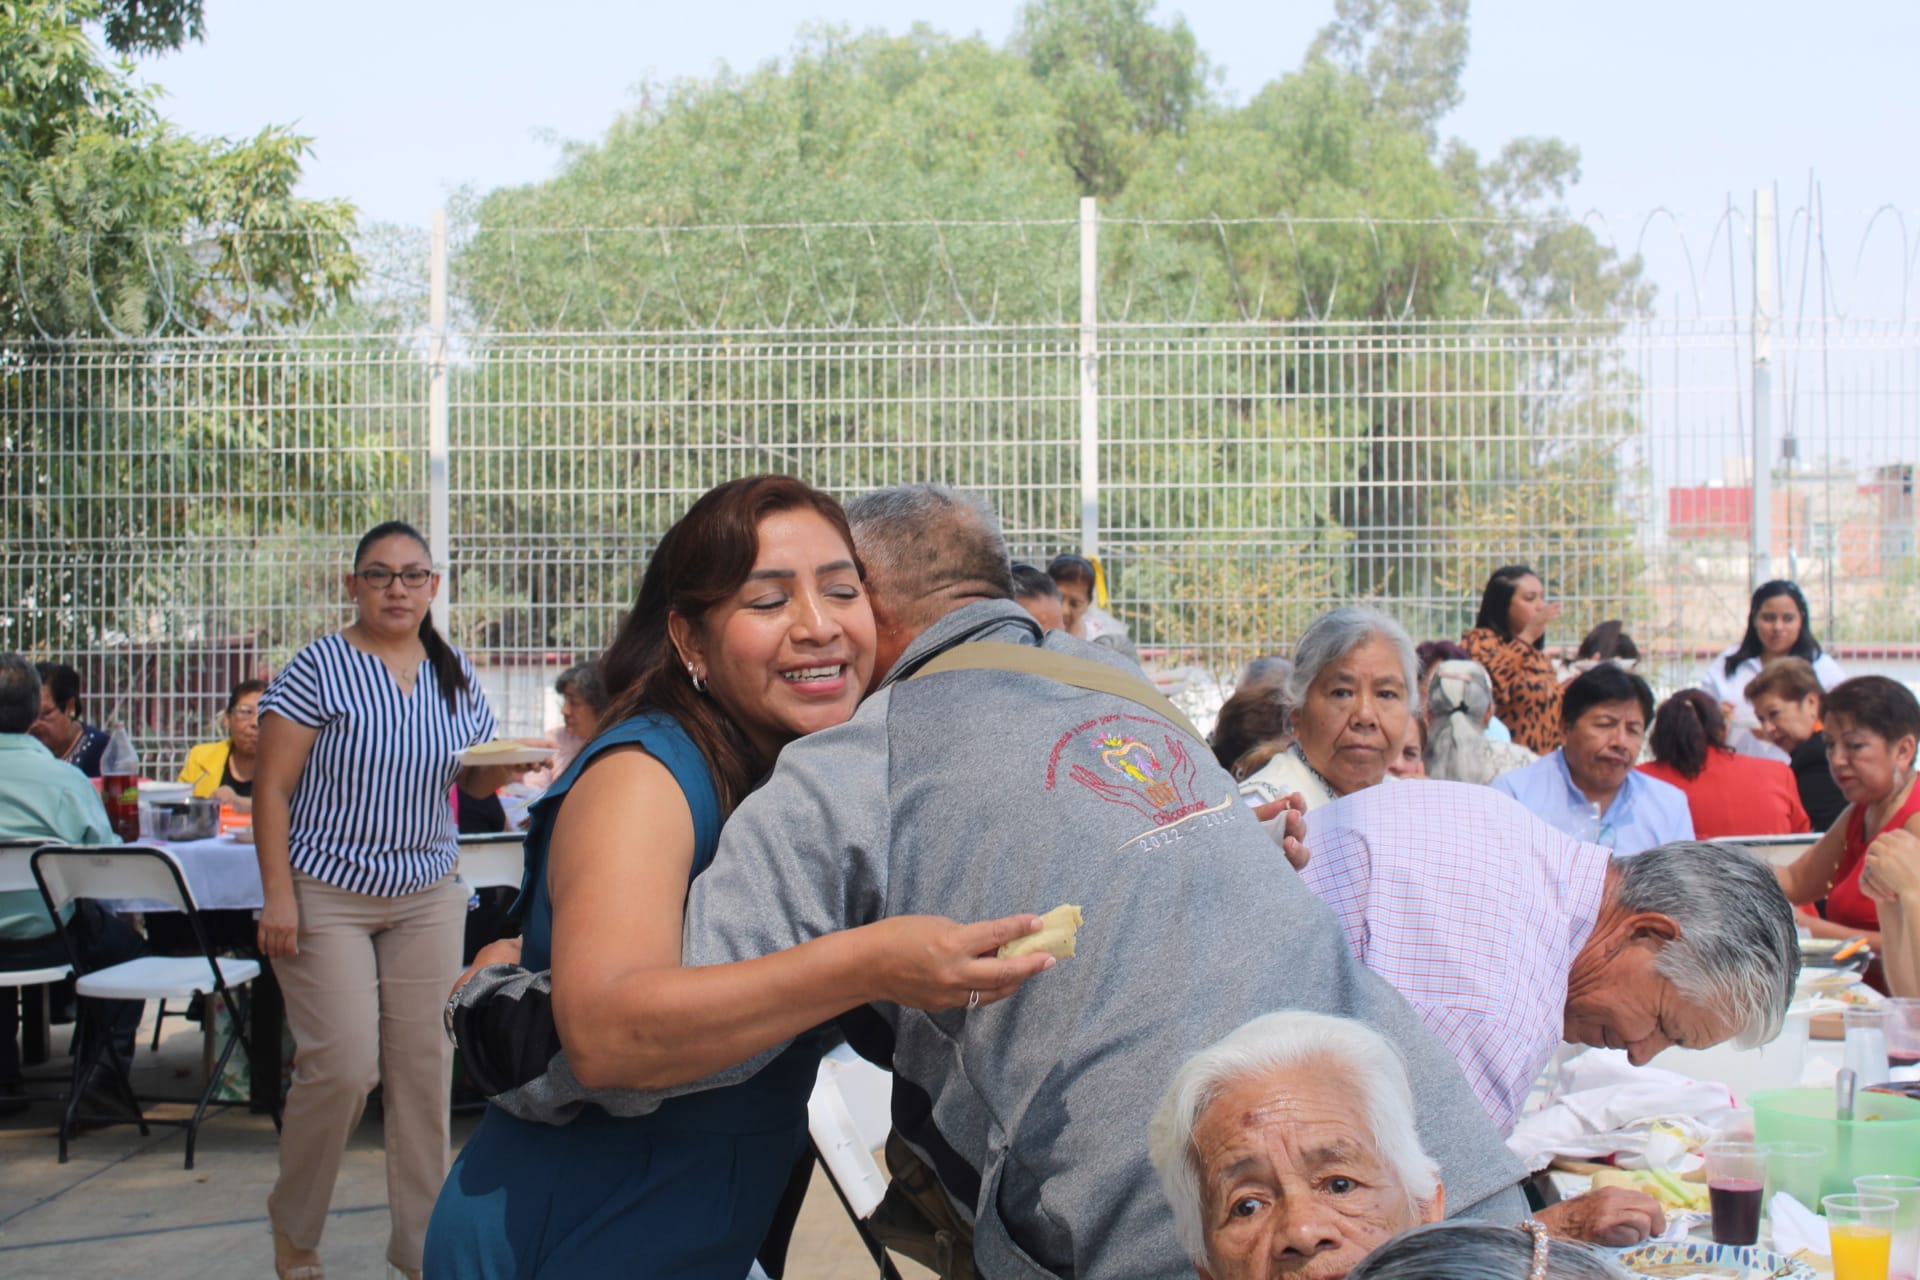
[179, 508]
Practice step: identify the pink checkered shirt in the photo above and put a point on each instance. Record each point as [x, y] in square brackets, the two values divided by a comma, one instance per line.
[1473, 909]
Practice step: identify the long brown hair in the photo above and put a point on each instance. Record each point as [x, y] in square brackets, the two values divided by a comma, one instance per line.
[701, 562]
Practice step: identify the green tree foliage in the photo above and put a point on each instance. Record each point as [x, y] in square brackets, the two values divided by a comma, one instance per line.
[1410, 54]
[1324, 208]
[1117, 82]
[116, 222]
[115, 226]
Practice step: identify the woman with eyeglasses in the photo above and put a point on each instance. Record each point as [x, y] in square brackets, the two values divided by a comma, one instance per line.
[360, 739]
[1778, 626]
[223, 770]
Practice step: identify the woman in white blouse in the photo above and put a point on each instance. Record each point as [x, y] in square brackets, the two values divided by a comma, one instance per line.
[1778, 626]
[360, 738]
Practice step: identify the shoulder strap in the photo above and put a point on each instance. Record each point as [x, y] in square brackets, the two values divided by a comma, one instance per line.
[1082, 673]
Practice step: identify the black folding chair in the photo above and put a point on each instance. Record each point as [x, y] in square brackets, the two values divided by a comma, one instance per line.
[136, 873]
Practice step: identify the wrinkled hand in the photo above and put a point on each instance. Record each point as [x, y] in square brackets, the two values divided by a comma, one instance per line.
[278, 932]
[933, 963]
[499, 951]
[1892, 868]
[1286, 821]
[1613, 1216]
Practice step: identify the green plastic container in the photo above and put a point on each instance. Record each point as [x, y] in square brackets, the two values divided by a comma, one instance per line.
[1884, 1139]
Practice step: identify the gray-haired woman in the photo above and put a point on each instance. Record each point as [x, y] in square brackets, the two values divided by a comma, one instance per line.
[1482, 1251]
[1355, 681]
[1459, 705]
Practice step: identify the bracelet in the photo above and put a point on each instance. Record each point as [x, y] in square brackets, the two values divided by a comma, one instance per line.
[453, 1004]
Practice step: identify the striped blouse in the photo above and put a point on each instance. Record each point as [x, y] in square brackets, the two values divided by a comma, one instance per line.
[370, 813]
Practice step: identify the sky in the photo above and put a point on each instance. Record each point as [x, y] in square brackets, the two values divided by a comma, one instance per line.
[1676, 105]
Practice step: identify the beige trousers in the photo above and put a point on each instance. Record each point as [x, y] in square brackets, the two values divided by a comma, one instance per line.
[364, 1000]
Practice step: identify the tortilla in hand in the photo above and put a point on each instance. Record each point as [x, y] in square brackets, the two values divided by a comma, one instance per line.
[1056, 935]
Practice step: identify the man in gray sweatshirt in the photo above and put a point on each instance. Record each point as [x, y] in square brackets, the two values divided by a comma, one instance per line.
[978, 793]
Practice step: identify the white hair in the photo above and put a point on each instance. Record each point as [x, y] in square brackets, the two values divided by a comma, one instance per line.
[1737, 953]
[1369, 1064]
[1459, 696]
[1338, 632]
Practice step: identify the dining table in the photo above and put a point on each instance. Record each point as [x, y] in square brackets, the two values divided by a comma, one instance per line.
[222, 874]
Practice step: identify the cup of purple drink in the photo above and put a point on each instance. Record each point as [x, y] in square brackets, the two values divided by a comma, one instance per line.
[1736, 1176]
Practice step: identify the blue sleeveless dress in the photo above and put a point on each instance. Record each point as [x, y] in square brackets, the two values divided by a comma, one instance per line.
[687, 1191]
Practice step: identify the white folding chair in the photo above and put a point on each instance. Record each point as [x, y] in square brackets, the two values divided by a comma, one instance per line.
[848, 1117]
[137, 872]
[16, 876]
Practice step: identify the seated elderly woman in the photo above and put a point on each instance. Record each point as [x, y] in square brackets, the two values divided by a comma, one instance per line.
[1786, 699]
[1290, 1148]
[1354, 684]
[223, 770]
[1459, 708]
[1483, 1251]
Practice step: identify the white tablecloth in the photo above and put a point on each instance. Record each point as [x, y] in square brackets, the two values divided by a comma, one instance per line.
[222, 873]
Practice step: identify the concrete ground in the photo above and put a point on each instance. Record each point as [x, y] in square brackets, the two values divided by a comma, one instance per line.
[123, 1205]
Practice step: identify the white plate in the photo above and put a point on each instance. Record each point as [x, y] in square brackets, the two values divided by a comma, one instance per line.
[505, 751]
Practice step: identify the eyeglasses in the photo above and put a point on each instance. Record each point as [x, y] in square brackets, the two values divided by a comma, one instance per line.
[380, 579]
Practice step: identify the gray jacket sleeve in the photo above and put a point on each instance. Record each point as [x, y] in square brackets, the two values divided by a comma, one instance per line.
[802, 857]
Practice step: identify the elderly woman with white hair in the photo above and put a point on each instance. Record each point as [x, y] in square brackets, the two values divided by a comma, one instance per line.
[1290, 1148]
[1459, 707]
[1354, 684]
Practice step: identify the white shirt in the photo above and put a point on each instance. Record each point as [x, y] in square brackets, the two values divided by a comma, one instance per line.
[1732, 689]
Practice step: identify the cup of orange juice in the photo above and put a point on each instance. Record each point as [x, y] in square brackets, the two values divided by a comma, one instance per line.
[1860, 1235]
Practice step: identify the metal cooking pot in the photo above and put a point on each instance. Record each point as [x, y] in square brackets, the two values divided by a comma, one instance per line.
[194, 819]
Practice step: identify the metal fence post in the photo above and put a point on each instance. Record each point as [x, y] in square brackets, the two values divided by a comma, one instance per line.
[1089, 378]
[1764, 264]
[439, 539]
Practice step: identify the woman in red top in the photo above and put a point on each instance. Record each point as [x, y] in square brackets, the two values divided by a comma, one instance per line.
[1873, 728]
[1728, 794]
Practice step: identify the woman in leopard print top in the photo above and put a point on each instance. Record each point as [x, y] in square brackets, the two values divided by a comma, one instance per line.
[1508, 639]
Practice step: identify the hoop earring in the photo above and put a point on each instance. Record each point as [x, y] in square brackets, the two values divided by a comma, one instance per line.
[699, 685]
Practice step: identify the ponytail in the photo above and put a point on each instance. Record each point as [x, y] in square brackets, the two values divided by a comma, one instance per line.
[1688, 726]
[1459, 694]
[447, 671]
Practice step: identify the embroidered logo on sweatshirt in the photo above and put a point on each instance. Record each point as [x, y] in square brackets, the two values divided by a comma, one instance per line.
[1136, 762]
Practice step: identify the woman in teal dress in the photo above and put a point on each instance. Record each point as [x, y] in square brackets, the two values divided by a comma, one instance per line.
[751, 629]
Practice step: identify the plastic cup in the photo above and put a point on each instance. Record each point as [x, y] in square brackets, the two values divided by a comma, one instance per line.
[1736, 1176]
[1904, 1261]
[1860, 1235]
[1902, 1026]
[1796, 1168]
[1866, 1047]
[1735, 1126]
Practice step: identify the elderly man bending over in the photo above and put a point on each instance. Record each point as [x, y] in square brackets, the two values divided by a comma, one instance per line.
[1508, 936]
[1289, 1149]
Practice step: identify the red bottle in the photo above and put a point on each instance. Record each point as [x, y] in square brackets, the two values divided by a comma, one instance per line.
[120, 784]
